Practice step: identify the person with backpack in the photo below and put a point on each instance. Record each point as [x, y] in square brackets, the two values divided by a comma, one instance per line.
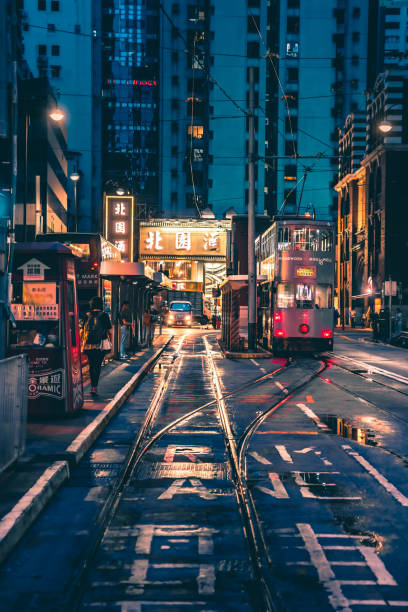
[97, 338]
[125, 320]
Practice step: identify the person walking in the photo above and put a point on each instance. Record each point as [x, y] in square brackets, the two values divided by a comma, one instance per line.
[336, 317]
[125, 321]
[353, 318]
[97, 338]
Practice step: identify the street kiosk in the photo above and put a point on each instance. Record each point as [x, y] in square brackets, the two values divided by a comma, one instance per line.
[45, 327]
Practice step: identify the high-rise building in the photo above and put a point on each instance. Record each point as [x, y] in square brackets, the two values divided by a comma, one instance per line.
[317, 75]
[130, 98]
[61, 41]
[204, 78]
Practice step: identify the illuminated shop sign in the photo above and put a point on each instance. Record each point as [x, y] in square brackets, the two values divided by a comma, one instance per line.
[306, 272]
[185, 242]
[119, 225]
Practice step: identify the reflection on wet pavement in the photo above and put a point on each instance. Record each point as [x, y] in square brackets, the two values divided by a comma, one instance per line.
[346, 429]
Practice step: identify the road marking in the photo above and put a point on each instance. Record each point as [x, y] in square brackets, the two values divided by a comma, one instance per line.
[305, 450]
[306, 491]
[324, 571]
[259, 458]
[190, 452]
[374, 369]
[309, 399]
[379, 477]
[177, 488]
[259, 366]
[295, 433]
[283, 453]
[309, 413]
[281, 387]
[278, 490]
[377, 566]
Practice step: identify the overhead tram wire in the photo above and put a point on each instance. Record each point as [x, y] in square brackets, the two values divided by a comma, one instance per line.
[191, 130]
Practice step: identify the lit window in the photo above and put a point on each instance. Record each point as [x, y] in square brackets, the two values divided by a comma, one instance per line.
[304, 296]
[284, 296]
[283, 238]
[197, 131]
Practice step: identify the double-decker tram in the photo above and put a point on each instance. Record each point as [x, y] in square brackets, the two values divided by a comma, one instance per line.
[296, 302]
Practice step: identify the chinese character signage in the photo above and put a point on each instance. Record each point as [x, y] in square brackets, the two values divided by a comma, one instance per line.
[184, 242]
[119, 224]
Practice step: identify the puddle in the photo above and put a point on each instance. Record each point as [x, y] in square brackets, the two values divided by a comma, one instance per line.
[352, 526]
[346, 429]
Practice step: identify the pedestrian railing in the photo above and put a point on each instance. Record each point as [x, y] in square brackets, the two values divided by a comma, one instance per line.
[13, 408]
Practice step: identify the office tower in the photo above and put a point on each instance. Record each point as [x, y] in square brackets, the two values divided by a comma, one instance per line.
[61, 43]
[317, 75]
[206, 51]
[130, 99]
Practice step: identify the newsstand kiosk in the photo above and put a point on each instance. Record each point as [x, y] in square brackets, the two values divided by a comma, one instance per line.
[44, 307]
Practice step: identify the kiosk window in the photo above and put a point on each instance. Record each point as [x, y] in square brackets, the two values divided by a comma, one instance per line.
[284, 236]
[323, 296]
[304, 296]
[285, 297]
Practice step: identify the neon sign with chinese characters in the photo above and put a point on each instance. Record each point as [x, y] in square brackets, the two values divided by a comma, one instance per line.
[119, 224]
[182, 242]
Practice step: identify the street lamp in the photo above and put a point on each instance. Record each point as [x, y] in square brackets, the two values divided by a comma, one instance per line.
[120, 191]
[56, 114]
[75, 178]
[385, 126]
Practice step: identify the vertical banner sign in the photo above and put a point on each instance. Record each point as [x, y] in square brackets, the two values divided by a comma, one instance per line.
[119, 224]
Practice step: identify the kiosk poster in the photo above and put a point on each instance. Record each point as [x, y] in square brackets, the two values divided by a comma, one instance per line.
[45, 379]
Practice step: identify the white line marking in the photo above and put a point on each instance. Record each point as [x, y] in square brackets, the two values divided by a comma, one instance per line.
[281, 387]
[358, 582]
[281, 448]
[144, 540]
[309, 412]
[205, 545]
[392, 490]
[368, 602]
[398, 603]
[259, 458]
[377, 566]
[258, 365]
[307, 450]
[278, 491]
[177, 488]
[206, 580]
[324, 571]
[374, 370]
[138, 574]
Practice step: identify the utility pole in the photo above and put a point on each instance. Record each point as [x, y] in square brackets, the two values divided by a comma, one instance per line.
[390, 310]
[14, 117]
[251, 220]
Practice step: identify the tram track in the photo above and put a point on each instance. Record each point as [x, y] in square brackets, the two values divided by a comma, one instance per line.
[139, 449]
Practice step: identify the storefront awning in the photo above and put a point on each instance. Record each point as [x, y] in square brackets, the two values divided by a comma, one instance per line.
[129, 269]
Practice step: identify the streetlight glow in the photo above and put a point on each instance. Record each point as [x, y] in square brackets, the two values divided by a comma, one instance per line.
[385, 126]
[74, 176]
[57, 114]
[120, 191]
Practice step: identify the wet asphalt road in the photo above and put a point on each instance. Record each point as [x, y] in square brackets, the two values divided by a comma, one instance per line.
[325, 491]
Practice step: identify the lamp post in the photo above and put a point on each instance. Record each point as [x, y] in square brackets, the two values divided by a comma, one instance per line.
[75, 176]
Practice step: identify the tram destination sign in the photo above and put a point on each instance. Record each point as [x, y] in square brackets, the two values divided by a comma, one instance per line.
[306, 272]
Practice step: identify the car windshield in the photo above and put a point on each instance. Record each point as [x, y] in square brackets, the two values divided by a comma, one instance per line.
[180, 306]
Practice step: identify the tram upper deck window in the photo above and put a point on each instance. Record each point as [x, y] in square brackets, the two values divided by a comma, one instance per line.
[306, 239]
[326, 240]
[285, 296]
[284, 238]
[304, 296]
[323, 297]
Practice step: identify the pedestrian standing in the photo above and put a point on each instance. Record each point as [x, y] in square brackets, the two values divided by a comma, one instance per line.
[353, 318]
[97, 339]
[147, 321]
[336, 317]
[125, 321]
[398, 322]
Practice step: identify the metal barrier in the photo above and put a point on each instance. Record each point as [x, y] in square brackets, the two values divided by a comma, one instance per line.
[13, 408]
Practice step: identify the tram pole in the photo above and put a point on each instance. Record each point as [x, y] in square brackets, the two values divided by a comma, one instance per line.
[251, 220]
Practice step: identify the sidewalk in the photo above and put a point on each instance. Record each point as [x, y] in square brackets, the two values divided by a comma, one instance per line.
[55, 444]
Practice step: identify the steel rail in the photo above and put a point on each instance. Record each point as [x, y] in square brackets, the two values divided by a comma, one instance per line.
[252, 524]
[133, 459]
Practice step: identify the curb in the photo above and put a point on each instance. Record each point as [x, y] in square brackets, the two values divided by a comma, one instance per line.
[14, 524]
[241, 355]
[20, 518]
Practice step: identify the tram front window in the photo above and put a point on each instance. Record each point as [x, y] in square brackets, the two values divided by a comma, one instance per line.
[304, 296]
[285, 295]
[323, 296]
[306, 239]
